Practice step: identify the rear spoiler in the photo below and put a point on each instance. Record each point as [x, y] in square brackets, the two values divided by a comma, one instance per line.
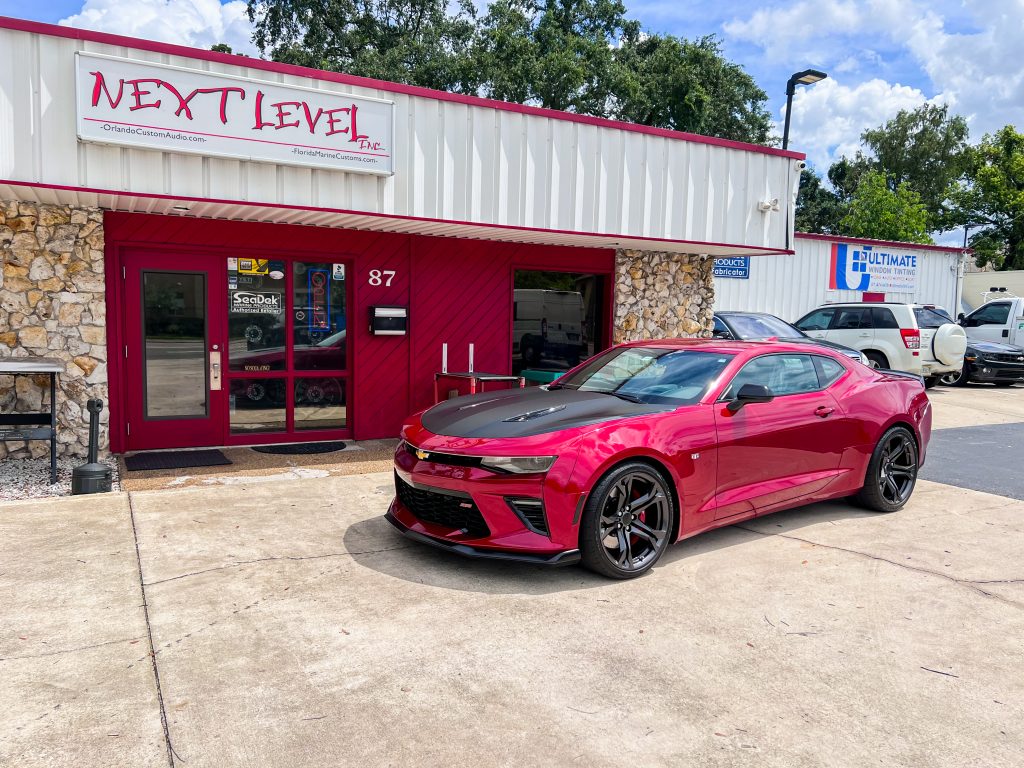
[901, 374]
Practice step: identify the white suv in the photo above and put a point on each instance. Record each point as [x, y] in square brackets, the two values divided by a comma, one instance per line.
[903, 337]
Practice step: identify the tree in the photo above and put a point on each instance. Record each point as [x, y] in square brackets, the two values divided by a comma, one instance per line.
[552, 53]
[924, 148]
[419, 42]
[221, 48]
[881, 213]
[993, 198]
[818, 209]
[668, 82]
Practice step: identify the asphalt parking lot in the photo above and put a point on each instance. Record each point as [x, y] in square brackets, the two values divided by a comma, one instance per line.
[293, 627]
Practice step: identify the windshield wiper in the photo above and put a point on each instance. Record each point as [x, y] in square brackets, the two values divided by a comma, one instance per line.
[620, 395]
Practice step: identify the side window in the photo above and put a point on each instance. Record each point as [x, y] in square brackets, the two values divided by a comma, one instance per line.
[818, 320]
[782, 374]
[993, 314]
[851, 318]
[828, 370]
[883, 318]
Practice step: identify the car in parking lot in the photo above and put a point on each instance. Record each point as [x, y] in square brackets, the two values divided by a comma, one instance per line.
[989, 361]
[903, 337]
[750, 326]
[651, 442]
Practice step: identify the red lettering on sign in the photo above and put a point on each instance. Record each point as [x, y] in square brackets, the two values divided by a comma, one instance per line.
[260, 122]
[356, 136]
[224, 93]
[138, 93]
[310, 120]
[282, 113]
[332, 121]
[100, 86]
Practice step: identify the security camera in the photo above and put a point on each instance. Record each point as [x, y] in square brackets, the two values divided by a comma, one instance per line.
[800, 165]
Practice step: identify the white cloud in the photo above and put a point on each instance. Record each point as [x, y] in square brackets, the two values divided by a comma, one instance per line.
[198, 23]
[829, 117]
[965, 48]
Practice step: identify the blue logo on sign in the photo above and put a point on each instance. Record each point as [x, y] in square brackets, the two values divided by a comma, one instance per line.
[847, 274]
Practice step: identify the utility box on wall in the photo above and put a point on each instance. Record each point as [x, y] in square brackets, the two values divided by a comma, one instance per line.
[389, 321]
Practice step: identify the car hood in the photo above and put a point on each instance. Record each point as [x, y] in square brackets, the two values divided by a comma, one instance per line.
[993, 346]
[526, 412]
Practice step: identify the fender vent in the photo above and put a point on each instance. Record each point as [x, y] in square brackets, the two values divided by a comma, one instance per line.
[531, 512]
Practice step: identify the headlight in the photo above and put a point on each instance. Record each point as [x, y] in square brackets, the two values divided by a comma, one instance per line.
[520, 465]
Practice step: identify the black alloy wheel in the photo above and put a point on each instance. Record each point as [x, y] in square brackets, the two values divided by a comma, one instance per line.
[627, 521]
[892, 472]
[956, 378]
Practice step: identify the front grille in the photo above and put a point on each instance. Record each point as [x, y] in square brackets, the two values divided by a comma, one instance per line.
[459, 513]
[452, 459]
[1004, 357]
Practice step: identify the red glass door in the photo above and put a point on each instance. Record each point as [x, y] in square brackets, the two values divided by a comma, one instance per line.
[174, 355]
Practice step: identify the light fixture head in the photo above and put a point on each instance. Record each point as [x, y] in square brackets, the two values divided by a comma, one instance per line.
[808, 76]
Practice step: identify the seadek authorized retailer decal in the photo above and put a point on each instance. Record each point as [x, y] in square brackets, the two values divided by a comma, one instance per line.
[256, 303]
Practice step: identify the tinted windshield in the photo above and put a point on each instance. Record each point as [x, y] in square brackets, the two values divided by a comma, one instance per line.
[761, 327]
[649, 375]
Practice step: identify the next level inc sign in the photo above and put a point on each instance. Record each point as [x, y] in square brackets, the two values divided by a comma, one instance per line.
[734, 266]
[154, 106]
[872, 268]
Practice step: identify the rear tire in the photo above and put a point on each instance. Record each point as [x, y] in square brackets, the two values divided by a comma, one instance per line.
[931, 381]
[627, 522]
[957, 378]
[877, 359]
[892, 472]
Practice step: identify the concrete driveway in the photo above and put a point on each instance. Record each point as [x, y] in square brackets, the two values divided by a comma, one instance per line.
[292, 627]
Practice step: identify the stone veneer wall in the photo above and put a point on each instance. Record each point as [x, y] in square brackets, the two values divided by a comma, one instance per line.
[52, 305]
[662, 295]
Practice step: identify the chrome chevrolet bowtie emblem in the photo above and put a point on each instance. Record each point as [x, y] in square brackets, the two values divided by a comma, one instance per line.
[422, 455]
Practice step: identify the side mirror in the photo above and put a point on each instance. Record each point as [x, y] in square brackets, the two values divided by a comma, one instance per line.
[717, 334]
[960, 318]
[750, 393]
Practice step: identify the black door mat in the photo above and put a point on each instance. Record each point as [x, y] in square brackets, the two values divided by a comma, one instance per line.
[175, 460]
[301, 449]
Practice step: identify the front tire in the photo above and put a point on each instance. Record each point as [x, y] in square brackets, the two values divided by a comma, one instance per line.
[627, 522]
[892, 472]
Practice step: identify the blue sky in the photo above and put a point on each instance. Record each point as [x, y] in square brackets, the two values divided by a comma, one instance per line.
[881, 55]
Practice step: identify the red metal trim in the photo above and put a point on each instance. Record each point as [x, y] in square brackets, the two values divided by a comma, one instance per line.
[399, 217]
[104, 38]
[892, 243]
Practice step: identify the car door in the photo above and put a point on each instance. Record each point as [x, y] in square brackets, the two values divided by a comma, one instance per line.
[990, 323]
[772, 453]
[852, 327]
[815, 324]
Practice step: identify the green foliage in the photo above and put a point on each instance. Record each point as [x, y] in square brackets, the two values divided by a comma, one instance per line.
[687, 86]
[993, 198]
[419, 42]
[818, 209]
[221, 48]
[581, 56]
[878, 212]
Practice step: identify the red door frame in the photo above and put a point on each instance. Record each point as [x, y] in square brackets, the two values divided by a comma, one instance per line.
[170, 432]
[117, 252]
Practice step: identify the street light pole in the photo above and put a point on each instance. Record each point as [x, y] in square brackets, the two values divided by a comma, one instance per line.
[807, 77]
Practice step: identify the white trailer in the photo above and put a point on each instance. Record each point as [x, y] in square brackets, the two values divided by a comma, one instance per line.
[827, 269]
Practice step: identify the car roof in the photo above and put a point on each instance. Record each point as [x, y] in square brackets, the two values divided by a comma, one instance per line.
[724, 346]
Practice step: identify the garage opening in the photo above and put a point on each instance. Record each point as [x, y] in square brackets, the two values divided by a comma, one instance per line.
[558, 319]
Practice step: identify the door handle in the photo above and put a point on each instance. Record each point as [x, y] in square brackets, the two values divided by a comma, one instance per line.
[865, 335]
[215, 380]
[823, 411]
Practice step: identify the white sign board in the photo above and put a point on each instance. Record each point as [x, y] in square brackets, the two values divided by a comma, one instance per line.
[153, 106]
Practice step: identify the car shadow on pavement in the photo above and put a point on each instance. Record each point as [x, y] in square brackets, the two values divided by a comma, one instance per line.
[411, 561]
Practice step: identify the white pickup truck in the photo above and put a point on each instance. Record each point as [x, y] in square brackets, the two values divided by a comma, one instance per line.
[1000, 320]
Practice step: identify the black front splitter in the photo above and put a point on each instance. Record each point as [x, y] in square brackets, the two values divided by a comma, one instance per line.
[569, 557]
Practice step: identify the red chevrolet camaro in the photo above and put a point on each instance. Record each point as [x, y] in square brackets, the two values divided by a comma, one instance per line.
[652, 442]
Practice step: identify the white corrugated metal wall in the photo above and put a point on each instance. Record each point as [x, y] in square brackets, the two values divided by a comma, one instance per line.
[791, 286]
[454, 161]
